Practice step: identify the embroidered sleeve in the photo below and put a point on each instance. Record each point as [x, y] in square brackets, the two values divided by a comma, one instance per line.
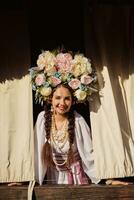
[40, 168]
[85, 148]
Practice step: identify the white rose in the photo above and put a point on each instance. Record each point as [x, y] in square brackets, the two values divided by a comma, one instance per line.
[46, 60]
[80, 95]
[45, 91]
[89, 68]
[76, 70]
[41, 62]
[83, 68]
[49, 59]
[82, 63]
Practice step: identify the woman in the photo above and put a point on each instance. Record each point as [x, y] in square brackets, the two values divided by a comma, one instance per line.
[63, 146]
[67, 148]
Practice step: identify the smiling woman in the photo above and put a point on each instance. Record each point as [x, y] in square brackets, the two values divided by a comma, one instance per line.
[63, 146]
[63, 139]
[67, 156]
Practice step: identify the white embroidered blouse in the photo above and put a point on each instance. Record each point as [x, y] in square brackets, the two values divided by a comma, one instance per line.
[83, 145]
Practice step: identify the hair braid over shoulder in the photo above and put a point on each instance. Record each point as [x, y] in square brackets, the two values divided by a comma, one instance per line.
[71, 127]
[47, 150]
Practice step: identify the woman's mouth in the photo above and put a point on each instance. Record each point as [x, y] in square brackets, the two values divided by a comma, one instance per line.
[62, 108]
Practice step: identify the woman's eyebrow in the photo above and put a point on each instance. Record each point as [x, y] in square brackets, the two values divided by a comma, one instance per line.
[67, 96]
[64, 96]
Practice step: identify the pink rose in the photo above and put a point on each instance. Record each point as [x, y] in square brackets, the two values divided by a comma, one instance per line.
[86, 79]
[40, 79]
[55, 81]
[74, 83]
[63, 62]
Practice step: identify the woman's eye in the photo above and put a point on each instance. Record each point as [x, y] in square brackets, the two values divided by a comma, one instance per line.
[67, 98]
[57, 97]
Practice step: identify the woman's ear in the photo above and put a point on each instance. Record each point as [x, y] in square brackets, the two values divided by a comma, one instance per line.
[52, 110]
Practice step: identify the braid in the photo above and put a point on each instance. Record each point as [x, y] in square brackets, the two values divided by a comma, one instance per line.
[71, 125]
[47, 151]
[48, 120]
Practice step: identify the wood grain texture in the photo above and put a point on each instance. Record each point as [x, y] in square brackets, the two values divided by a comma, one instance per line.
[47, 192]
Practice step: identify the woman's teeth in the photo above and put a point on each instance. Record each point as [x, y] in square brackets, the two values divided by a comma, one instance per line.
[61, 107]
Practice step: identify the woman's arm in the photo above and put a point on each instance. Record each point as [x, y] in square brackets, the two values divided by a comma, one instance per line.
[85, 148]
[39, 139]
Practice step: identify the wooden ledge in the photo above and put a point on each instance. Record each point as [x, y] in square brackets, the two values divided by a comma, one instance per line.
[62, 192]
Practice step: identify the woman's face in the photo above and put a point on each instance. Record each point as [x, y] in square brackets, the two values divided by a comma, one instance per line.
[61, 100]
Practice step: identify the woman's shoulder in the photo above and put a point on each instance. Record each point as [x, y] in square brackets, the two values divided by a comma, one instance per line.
[81, 120]
[39, 125]
[78, 116]
[40, 116]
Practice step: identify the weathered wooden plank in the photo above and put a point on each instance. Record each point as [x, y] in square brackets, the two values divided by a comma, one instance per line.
[92, 192]
[13, 193]
[54, 192]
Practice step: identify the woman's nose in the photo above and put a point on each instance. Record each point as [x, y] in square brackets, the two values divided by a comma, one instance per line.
[62, 102]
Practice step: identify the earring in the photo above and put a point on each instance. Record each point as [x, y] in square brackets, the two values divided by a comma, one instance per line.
[52, 108]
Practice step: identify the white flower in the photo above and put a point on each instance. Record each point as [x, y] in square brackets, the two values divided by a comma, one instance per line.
[89, 68]
[46, 61]
[81, 65]
[41, 62]
[76, 70]
[80, 95]
[50, 59]
[45, 91]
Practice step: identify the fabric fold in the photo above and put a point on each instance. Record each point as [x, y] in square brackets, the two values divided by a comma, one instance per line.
[16, 131]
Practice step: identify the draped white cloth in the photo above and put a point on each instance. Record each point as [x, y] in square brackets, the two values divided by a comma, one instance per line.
[16, 131]
[112, 121]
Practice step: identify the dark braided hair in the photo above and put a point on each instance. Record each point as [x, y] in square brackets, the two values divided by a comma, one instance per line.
[47, 150]
[71, 126]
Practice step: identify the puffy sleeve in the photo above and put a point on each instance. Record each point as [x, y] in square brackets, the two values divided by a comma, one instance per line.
[85, 148]
[39, 131]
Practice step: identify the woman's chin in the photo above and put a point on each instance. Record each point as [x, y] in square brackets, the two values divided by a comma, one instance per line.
[61, 112]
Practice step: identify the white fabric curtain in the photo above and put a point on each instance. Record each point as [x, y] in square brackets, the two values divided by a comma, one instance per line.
[16, 131]
[109, 43]
[113, 128]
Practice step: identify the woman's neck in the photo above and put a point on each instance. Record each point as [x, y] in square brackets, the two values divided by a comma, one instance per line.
[60, 118]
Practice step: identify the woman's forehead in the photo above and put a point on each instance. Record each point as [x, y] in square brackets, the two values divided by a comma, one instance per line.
[62, 91]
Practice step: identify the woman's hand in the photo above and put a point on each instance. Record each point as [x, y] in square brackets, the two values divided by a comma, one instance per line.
[117, 182]
[15, 184]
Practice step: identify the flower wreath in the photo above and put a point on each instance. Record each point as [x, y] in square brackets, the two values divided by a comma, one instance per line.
[54, 68]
